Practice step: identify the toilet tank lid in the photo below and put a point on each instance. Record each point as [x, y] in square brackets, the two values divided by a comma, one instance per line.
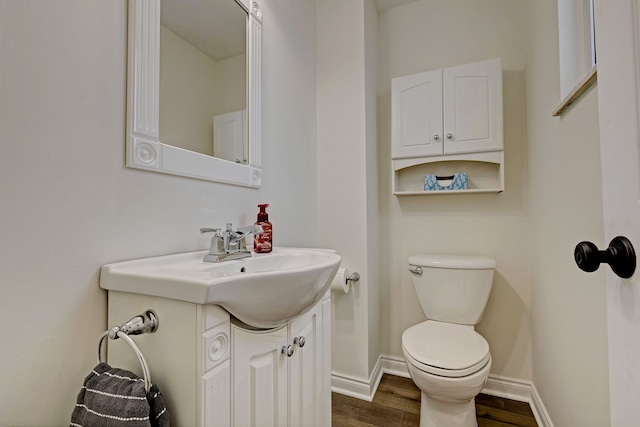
[453, 261]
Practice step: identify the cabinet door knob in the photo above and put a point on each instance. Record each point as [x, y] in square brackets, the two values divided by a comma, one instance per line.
[620, 255]
[449, 136]
[299, 341]
[288, 350]
[436, 137]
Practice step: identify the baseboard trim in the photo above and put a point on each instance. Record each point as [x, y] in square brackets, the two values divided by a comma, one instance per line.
[359, 388]
[394, 366]
[522, 391]
[539, 411]
[508, 388]
[499, 386]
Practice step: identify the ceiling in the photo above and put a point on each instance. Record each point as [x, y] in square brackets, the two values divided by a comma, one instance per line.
[217, 27]
[389, 4]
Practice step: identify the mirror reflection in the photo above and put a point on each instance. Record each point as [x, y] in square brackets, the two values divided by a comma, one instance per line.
[203, 78]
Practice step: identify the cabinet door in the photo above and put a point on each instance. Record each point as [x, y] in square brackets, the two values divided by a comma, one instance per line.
[326, 360]
[259, 377]
[416, 115]
[306, 406]
[216, 396]
[473, 107]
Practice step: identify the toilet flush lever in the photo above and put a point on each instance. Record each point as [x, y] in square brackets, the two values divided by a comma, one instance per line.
[620, 255]
[416, 270]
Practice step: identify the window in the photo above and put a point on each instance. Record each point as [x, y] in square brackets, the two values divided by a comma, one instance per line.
[576, 42]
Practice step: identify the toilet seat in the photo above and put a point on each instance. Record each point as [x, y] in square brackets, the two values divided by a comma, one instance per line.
[445, 349]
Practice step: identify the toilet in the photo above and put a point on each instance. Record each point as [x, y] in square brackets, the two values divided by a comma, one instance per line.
[446, 358]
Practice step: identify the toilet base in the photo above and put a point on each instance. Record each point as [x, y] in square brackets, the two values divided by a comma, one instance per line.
[441, 413]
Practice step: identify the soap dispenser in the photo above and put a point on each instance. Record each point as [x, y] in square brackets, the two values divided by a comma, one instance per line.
[262, 241]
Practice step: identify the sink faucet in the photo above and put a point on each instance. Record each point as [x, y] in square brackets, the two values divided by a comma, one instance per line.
[229, 244]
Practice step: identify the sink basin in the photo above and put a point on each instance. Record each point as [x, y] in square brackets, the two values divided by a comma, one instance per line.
[264, 291]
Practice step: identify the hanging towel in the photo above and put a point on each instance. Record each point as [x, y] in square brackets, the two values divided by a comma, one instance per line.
[112, 397]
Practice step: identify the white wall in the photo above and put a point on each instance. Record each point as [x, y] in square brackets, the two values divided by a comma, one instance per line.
[569, 324]
[347, 177]
[374, 223]
[69, 205]
[433, 34]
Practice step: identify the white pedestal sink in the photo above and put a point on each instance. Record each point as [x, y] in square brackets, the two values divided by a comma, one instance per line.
[264, 291]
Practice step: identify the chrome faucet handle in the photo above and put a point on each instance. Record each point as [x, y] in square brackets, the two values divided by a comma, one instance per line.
[210, 230]
[217, 241]
[229, 244]
[242, 232]
[228, 236]
[253, 228]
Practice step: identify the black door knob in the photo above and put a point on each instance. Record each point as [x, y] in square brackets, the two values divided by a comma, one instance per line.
[620, 255]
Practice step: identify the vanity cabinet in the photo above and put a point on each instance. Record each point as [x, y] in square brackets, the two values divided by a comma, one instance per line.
[280, 372]
[214, 371]
[447, 116]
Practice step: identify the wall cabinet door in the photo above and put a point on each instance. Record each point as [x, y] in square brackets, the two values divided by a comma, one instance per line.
[416, 115]
[448, 111]
[473, 107]
[259, 377]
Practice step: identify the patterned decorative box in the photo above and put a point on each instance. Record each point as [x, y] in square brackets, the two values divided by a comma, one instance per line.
[457, 181]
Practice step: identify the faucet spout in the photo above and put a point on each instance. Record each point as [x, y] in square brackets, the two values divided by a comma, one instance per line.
[229, 244]
[243, 232]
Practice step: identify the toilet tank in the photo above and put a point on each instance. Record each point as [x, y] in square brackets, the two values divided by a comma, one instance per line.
[452, 288]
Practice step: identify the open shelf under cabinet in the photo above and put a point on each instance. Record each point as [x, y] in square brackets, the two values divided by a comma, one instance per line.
[485, 173]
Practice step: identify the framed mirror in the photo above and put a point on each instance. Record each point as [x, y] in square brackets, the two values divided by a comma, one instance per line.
[191, 113]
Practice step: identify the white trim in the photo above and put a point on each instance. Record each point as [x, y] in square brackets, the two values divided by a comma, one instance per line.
[499, 386]
[580, 89]
[144, 150]
[394, 366]
[520, 390]
[360, 388]
[539, 411]
[508, 388]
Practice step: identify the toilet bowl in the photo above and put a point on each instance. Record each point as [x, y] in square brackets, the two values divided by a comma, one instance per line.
[446, 358]
[449, 383]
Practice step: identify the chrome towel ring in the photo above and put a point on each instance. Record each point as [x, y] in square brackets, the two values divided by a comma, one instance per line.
[140, 324]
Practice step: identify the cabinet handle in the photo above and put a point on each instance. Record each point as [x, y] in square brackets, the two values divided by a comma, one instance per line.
[436, 137]
[288, 350]
[299, 341]
[449, 136]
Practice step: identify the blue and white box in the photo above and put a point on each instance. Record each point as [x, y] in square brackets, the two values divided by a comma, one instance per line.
[456, 181]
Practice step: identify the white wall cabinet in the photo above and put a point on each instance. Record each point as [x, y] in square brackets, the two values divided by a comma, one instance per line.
[452, 113]
[216, 372]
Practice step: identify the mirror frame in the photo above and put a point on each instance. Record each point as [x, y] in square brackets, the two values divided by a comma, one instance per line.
[144, 150]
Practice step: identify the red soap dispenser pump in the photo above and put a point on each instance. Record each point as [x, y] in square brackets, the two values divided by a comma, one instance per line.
[262, 241]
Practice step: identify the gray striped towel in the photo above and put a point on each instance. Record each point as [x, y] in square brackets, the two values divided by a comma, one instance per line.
[112, 397]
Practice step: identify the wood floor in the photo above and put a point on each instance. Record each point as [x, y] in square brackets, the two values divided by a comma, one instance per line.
[397, 403]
